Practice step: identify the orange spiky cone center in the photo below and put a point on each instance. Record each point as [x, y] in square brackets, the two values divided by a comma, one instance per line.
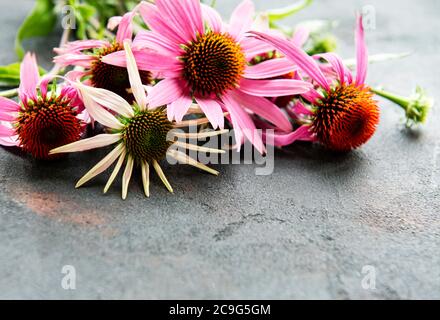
[346, 118]
[213, 64]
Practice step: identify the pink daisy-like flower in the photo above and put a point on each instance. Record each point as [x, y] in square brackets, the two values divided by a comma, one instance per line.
[203, 59]
[43, 119]
[344, 115]
[88, 55]
[141, 135]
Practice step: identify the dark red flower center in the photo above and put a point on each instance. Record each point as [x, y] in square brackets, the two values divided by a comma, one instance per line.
[46, 125]
[114, 78]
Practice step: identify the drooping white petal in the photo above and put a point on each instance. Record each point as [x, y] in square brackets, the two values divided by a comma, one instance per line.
[127, 176]
[162, 176]
[194, 147]
[99, 113]
[107, 99]
[198, 135]
[103, 165]
[185, 159]
[115, 171]
[98, 141]
[189, 123]
[146, 178]
[135, 78]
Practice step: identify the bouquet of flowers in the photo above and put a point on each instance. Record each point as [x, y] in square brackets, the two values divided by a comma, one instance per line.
[140, 76]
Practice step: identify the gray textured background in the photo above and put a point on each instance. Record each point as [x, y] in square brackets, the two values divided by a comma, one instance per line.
[304, 232]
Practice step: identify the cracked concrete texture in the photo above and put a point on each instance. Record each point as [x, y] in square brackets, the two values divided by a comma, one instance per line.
[306, 231]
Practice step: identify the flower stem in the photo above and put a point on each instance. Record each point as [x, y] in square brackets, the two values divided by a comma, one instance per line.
[279, 14]
[9, 93]
[397, 99]
[64, 40]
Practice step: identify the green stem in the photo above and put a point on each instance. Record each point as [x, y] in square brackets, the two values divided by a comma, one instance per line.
[278, 14]
[9, 93]
[399, 100]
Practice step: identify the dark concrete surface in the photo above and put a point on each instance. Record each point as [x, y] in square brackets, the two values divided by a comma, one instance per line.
[306, 231]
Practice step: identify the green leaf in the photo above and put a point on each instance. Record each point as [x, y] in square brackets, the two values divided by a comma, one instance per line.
[83, 13]
[279, 14]
[40, 22]
[10, 75]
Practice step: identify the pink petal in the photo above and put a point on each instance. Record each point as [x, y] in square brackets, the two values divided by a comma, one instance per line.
[75, 76]
[43, 85]
[184, 16]
[154, 19]
[7, 105]
[274, 88]
[72, 59]
[238, 134]
[303, 133]
[80, 45]
[253, 47]
[336, 64]
[9, 141]
[74, 97]
[6, 132]
[300, 109]
[300, 37]
[117, 58]
[298, 56]
[270, 69]
[148, 60]
[125, 29]
[265, 109]
[165, 92]
[213, 18]
[154, 41]
[170, 11]
[263, 124]
[178, 108]
[242, 19]
[312, 96]
[6, 117]
[244, 123]
[195, 14]
[29, 76]
[348, 75]
[361, 53]
[213, 111]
